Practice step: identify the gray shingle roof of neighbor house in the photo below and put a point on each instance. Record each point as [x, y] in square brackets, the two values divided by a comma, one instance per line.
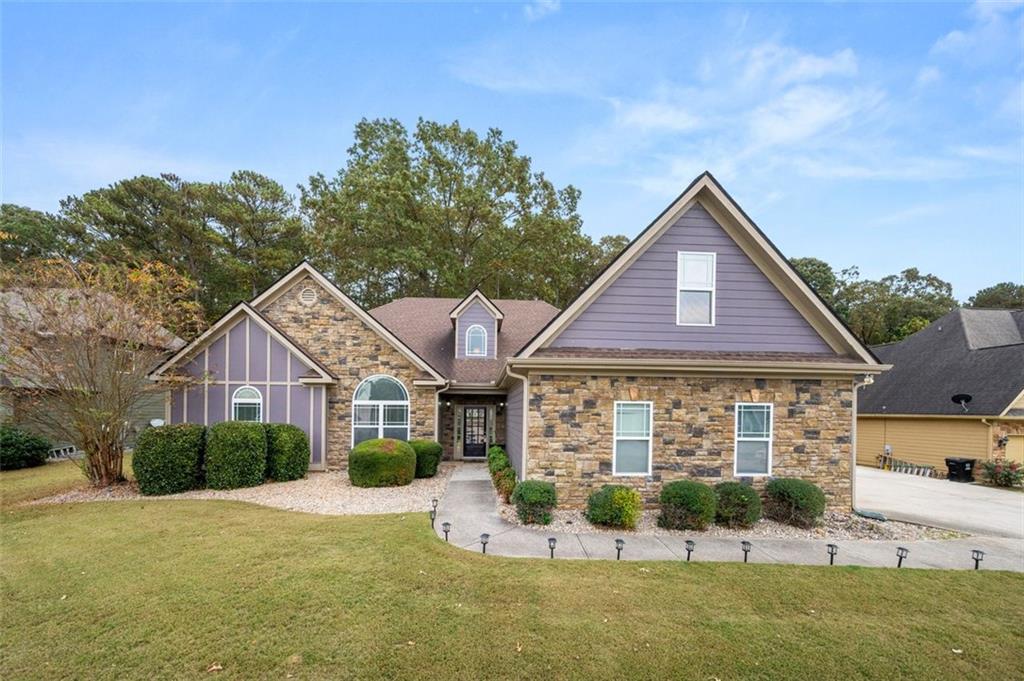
[425, 326]
[966, 352]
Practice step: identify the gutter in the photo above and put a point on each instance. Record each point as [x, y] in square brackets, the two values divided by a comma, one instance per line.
[437, 412]
[700, 366]
[526, 414]
[874, 515]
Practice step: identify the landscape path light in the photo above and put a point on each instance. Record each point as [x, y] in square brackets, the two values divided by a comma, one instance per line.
[446, 527]
[484, 538]
[745, 545]
[832, 551]
[551, 545]
[690, 545]
[619, 545]
[978, 555]
[901, 552]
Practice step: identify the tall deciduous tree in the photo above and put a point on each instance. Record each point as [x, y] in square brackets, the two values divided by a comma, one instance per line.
[440, 210]
[1005, 295]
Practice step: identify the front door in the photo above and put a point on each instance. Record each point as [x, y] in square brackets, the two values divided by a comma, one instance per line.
[474, 432]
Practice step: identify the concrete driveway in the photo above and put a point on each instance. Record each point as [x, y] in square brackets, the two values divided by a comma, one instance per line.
[941, 503]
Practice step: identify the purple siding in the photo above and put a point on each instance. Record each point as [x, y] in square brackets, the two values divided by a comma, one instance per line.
[257, 354]
[216, 404]
[194, 367]
[300, 407]
[278, 361]
[278, 412]
[514, 426]
[297, 369]
[196, 404]
[236, 352]
[316, 436]
[476, 313]
[215, 362]
[638, 310]
[177, 405]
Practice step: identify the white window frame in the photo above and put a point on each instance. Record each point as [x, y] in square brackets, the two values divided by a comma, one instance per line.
[649, 439]
[381, 405]
[680, 288]
[483, 330]
[736, 439]
[235, 401]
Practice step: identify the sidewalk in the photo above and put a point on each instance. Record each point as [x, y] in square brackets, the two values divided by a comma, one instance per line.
[469, 505]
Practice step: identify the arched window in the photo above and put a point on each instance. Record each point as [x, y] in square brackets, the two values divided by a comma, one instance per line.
[380, 408]
[247, 404]
[476, 341]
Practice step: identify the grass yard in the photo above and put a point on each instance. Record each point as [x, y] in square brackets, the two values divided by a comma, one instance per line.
[172, 588]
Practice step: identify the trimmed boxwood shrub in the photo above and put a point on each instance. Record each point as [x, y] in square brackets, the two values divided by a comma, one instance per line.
[497, 460]
[505, 483]
[169, 459]
[287, 451]
[382, 462]
[687, 505]
[615, 505]
[21, 449]
[236, 455]
[739, 505]
[534, 501]
[428, 456]
[794, 502]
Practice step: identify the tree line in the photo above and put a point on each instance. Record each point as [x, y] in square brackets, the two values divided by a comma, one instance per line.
[432, 211]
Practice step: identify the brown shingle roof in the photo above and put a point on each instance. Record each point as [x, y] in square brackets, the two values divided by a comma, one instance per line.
[641, 353]
[425, 326]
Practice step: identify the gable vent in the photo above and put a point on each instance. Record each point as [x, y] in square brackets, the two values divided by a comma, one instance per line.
[307, 296]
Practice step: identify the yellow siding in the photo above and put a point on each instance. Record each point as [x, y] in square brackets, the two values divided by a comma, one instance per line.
[922, 441]
[1015, 448]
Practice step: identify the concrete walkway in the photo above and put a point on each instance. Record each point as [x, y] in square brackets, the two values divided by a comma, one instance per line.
[469, 505]
[940, 503]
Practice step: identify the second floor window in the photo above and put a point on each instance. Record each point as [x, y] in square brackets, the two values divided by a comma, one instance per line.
[476, 341]
[695, 289]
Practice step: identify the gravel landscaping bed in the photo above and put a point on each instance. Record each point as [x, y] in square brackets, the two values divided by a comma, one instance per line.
[328, 493]
[836, 526]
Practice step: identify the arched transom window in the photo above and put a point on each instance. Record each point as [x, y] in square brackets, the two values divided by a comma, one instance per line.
[476, 341]
[247, 404]
[380, 408]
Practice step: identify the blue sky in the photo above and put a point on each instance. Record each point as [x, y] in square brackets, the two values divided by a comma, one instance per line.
[883, 136]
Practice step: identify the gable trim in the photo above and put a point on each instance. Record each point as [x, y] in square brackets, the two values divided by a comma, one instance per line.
[706, 191]
[1014, 401]
[305, 269]
[244, 309]
[477, 294]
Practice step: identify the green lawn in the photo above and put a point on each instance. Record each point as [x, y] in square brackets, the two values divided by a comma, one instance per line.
[169, 588]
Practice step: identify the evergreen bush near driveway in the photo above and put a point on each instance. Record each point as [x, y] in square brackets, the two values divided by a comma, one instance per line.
[287, 451]
[534, 501]
[738, 505]
[497, 460]
[687, 505]
[428, 456]
[236, 455]
[21, 449]
[615, 506]
[794, 502]
[382, 462]
[169, 459]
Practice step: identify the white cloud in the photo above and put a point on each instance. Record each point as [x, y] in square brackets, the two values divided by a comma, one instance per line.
[805, 112]
[655, 115]
[538, 9]
[996, 154]
[994, 30]
[927, 75]
[784, 65]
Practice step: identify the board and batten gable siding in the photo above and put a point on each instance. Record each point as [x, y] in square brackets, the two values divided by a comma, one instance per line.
[514, 427]
[245, 354]
[638, 309]
[475, 313]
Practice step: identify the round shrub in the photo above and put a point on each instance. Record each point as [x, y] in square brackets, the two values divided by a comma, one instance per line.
[687, 505]
[236, 455]
[497, 460]
[169, 459]
[739, 505]
[615, 506]
[534, 501]
[794, 502]
[21, 449]
[382, 463]
[505, 483]
[287, 451]
[428, 456]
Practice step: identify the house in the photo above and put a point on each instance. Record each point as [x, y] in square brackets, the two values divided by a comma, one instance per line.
[956, 389]
[697, 353]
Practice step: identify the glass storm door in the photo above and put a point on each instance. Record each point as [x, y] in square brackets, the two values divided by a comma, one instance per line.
[474, 432]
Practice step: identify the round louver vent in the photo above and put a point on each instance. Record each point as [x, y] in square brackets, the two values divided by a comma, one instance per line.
[308, 296]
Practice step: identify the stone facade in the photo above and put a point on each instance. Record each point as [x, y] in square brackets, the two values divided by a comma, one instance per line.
[571, 431]
[448, 406]
[352, 351]
[1001, 429]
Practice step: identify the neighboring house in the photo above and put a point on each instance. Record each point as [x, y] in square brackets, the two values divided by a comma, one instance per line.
[967, 352]
[697, 353]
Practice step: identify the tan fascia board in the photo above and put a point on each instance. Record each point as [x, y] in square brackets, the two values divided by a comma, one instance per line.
[428, 382]
[477, 294]
[699, 366]
[305, 269]
[1014, 401]
[958, 417]
[481, 388]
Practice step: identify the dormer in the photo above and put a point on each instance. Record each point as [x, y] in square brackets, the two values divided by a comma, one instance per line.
[477, 322]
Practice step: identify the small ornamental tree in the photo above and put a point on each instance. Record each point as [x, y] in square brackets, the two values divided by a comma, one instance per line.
[78, 342]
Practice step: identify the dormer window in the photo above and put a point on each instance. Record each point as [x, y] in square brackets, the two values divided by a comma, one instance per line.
[695, 288]
[476, 341]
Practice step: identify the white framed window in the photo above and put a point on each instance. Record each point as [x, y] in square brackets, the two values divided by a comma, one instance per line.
[753, 439]
[632, 435]
[695, 288]
[380, 408]
[476, 341]
[247, 404]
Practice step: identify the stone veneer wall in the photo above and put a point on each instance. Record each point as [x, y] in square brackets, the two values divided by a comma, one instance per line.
[352, 351]
[571, 431]
[1001, 428]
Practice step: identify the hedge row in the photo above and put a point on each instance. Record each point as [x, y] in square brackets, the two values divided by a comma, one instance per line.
[180, 457]
[692, 505]
[502, 474]
[21, 449]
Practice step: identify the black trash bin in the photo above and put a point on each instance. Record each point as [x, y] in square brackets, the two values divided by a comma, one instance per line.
[960, 469]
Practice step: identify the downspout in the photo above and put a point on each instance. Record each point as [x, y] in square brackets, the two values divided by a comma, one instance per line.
[988, 446]
[526, 415]
[437, 411]
[868, 380]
